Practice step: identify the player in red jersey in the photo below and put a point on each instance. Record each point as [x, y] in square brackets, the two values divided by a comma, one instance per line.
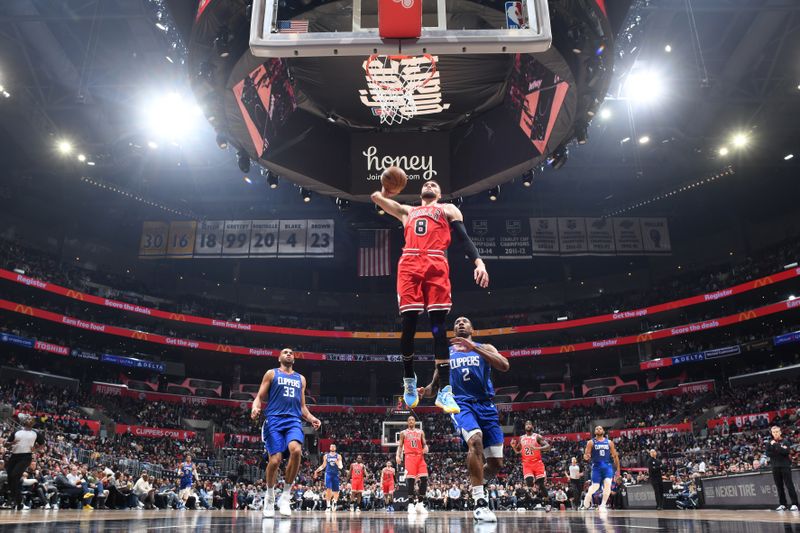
[387, 485]
[412, 444]
[423, 280]
[530, 446]
[357, 473]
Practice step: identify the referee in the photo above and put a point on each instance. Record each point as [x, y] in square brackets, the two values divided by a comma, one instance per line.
[22, 445]
[778, 453]
[575, 482]
[654, 471]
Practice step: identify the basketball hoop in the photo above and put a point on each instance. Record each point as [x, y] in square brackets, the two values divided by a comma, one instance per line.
[394, 81]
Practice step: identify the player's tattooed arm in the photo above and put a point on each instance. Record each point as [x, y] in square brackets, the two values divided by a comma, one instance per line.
[394, 208]
[587, 454]
[311, 419]
[263, 394]
[432, 388]
[516, 446]
[543, 444]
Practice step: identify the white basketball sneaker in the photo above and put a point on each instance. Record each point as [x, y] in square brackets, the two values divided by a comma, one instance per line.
[482, 513]
[269, 508]
[412, 508]
[420, 507]
[285, 506]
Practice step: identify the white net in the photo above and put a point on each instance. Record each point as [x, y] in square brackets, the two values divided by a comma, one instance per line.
[394, 83]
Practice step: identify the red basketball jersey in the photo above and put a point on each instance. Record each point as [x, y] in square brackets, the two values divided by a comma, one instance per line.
[412, 445]
[528, 443]
[387, 476]
[356, 471]
[427, 229]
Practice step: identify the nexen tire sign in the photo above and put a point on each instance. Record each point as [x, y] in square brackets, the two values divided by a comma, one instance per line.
[422, 157]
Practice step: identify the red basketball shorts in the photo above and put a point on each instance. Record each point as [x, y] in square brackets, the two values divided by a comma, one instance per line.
[387, 488]
[357, 484]
[415, 466]
[534, 469]
[423, 282]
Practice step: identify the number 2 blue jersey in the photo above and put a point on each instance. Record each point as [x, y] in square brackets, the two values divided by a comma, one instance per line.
[285, 395]
[470, 376]
[601, 451]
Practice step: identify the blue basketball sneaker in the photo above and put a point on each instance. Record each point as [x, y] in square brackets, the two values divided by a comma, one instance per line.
[410, 395]
[446, 401]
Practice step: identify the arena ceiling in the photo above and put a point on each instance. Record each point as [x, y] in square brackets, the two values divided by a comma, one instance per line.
[88, 70]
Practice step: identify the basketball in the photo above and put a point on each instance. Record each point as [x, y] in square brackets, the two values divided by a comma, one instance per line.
[394, 180]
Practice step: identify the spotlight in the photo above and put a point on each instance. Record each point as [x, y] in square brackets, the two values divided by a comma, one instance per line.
[243, 161]
[306, 194]
[81, 158]
[723, 151]
[740, 140]
[644, 139]
[668, 48]
[330, 117]
[558, 158]
[343, 204]
[64, 147]
[605, 113]
[644, 86]
[172, 116]
[161, 26]
[494, 192]
[248, 180]
[380, 210]
[272, 180]
[582, 134]
[222, 141]
[527, 178]
[222, 44]
[152, 145]
[788, 157]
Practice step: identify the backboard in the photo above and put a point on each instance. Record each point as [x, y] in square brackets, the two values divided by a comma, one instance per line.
[350, 28]
[390, 433]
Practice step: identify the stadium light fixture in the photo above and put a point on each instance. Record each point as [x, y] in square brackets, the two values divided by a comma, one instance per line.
[788, 157]
[494, 193]
[172, 116]
[222, 141]
[343, 204]
[644, 139]
[562, 318]
[644, 86]
[527, 178]
[243, 160]
[723, 151]
[152, 144]
[306, 194]
[272, 180]
[740, 140]
[790, 265]
[380, 210]
[81, 158]
[605, 113]
[248, 180]
[64, 147]
[668, 48]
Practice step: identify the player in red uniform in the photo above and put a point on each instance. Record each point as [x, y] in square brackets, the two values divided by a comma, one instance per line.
[412, 444]
[530, 446]
[387, 485]
[357, 473]
[423, 280]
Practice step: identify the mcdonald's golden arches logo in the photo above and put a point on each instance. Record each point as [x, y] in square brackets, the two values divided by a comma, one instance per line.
[75, 295]
[24, 309]
[644, 337]
[139, 335]
[763, 282]
[223, 348]
[177, 316]
[747, 315]
[567, 348]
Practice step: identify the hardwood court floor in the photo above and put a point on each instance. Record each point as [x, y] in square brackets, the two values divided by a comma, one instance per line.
[706, 521]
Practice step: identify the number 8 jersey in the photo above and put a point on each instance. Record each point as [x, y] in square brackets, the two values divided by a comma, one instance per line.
[285, 395]
[427, 229]
[470, 377]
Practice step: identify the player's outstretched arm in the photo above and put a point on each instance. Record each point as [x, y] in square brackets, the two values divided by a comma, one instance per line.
[489, 353]
[543, 444]
[432, 388]
[516, 446]
[263, 394]
[311, 419]
[456, 219]
[319, 469]
[396, 209]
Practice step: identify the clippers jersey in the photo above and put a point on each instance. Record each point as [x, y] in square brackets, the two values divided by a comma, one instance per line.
[529, 453]
[412, 445]
[331, 464]
[187, 473]
[427, 229]
[601, 451]
[285, 395]
[470, 377]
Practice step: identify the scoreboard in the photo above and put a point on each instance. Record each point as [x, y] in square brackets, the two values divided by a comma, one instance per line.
[237, 238]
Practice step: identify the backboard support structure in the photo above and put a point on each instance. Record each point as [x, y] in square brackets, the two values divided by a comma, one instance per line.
[350, 28]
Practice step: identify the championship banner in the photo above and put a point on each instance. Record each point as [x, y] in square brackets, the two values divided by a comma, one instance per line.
[599, 236]
[779, 307]
[238, 239]
[501, 238]
[742, 420]
[572, 236]
[655, 235]
[627, 236]
[544, 236]
[567, 324]
[155, 433]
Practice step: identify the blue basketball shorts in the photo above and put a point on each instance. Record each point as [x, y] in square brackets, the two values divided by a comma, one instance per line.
[480, 417]
[277, 432]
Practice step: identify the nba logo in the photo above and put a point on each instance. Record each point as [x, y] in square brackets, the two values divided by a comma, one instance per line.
[514, 15]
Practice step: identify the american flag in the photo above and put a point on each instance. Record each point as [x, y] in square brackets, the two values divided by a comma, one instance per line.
[292, 26]
[373, 252]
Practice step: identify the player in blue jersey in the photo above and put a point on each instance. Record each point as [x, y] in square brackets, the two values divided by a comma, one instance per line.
[605, 466]
[332, 465]
[284, 391]
[477, 422]
[188, 475]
